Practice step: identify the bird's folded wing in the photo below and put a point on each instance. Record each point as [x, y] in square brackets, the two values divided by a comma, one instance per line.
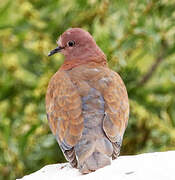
[64, 110]
[116, 108]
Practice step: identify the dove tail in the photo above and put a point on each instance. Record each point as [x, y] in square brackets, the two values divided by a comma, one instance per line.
[94, 150]
[95, 161]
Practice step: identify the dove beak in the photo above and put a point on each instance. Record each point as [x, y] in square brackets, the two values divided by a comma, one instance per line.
[56, 50]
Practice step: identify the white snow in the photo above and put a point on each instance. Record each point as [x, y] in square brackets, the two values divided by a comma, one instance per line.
[149, 166]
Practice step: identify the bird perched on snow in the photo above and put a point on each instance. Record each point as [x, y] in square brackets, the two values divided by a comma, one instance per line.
[86, 103]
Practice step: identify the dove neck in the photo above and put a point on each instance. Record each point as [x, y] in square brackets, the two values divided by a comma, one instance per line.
[70, 64]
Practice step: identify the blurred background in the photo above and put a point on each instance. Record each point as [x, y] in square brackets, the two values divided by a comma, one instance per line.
[138, 38]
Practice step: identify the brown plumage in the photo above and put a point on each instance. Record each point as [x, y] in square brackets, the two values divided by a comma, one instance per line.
[86, 103]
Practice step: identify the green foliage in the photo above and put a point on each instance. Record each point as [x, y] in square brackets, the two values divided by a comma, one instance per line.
[139, 40]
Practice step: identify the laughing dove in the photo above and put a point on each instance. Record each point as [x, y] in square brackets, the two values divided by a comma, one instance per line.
[86, 103]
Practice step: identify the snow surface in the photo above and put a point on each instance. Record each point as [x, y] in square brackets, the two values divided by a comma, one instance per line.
[149, 166]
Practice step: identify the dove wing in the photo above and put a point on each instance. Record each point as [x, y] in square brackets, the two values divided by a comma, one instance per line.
[64, 113]
[116, 111]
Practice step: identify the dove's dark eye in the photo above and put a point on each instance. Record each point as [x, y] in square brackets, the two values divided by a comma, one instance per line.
[71, 43]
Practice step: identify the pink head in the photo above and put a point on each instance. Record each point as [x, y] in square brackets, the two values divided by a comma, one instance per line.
[78, 45]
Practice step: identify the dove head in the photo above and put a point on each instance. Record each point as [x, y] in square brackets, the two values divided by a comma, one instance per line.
[78, 47]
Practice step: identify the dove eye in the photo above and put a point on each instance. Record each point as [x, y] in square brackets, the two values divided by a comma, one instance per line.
[71, 43]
